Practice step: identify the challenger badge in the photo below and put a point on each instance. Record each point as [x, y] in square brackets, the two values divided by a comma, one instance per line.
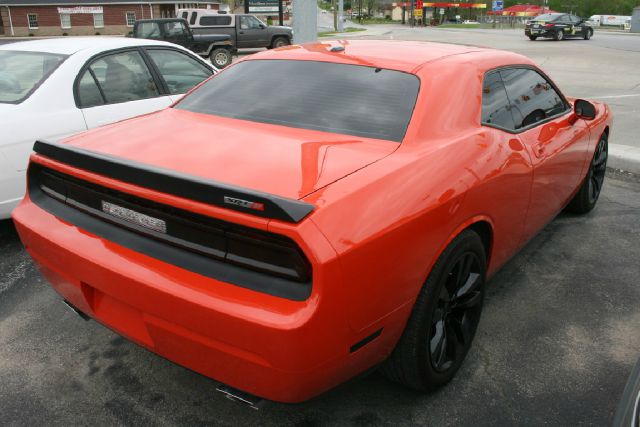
[134, 217]
[244, 203]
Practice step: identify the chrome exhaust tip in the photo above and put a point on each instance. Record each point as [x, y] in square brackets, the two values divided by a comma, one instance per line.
[254, 402]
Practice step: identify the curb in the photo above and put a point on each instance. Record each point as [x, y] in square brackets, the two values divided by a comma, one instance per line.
[625, 158]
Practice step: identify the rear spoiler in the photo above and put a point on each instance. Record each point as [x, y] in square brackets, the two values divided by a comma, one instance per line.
[181, 185]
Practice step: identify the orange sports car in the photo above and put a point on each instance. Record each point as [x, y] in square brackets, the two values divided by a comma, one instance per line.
[314, 211]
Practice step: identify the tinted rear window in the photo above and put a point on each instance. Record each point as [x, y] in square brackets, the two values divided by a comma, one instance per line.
[339, 98]
[215, 20]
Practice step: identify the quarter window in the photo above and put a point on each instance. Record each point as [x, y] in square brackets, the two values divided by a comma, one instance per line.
[98, 20]
[179, 71]
[121, 77]
[65, 20]
[131, 18]
[533, 99]
[495, 103]
[33, 21]
[88, 92]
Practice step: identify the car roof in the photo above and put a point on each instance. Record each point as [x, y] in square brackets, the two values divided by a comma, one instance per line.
[407, 56]
[71, 45]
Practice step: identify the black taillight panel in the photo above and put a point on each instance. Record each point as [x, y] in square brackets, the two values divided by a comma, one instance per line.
[265, 253]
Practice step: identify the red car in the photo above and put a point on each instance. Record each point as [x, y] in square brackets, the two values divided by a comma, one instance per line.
[314, 211]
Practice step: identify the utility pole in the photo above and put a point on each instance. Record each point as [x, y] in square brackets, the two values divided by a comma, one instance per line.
[305, 21]
[334, 10]
[411, 9]
[340, 16]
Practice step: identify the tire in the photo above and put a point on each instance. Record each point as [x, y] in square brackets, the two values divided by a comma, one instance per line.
[280, 42]
[559, 36]
[587, 196]
[439, 333]
[588, 34]
[533, 38]
[220, 57]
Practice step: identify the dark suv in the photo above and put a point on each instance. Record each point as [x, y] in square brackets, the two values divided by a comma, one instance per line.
[217, 47]
[558, 26]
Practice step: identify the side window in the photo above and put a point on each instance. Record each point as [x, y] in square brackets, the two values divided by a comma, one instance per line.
[185, 15]
[123, 77]
[248, 22]
[149, 30]
[495, 104]
[174, 29]
[194, 16]
[254, 23]
[532, 97]
[179, 71]
[88, 92]
[215, 20]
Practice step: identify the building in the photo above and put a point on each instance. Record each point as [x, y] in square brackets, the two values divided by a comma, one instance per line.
[69, 17]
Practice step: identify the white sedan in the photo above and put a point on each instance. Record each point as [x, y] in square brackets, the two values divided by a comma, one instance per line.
[50, 89]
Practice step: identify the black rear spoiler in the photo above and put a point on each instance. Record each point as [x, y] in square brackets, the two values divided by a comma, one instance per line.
[181, 185]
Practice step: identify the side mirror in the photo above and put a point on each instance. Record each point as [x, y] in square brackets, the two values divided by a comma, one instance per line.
[584, 109]
[263, 26]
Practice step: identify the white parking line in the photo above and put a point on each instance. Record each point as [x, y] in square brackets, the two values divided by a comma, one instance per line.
[615, 96]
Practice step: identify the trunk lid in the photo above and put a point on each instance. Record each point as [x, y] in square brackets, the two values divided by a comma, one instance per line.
[278, 160]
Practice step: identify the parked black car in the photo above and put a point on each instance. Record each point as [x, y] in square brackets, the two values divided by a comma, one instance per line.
[558, 26]
[218, 47]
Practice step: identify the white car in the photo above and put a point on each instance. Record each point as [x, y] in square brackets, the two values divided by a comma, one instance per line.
[50, 89]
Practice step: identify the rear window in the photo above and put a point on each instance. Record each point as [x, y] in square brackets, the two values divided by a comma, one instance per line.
[338, 98]
[22, 72]
[215, 20]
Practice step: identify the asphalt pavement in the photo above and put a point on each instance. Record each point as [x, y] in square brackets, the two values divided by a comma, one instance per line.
[558, 337]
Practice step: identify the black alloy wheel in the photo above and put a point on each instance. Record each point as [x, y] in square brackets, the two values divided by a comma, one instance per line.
[587, 196]
[457, 312]
[598, 170]
[588, 34]
[444, 318]
[559, 36]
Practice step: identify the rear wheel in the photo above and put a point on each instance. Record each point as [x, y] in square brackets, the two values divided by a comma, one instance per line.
[559, 36]
[444, 319]
[220, 57]
[587, 196]
[279, 42]
[533, 38]
[588, 34]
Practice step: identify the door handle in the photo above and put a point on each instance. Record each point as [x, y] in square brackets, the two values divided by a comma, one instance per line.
[240, 32]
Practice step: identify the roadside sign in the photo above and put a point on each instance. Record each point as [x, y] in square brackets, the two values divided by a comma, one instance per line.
[263, 6]
[417, 13]
[442, 11]
[497, 5]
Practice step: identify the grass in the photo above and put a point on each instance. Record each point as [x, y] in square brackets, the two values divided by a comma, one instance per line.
[346, 30]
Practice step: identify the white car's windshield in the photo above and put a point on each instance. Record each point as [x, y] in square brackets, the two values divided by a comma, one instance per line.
[22, 72]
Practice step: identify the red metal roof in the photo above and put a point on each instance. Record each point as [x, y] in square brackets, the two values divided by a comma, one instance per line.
[523, 10]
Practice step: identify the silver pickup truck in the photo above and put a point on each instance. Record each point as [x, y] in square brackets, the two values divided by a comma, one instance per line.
[246, 31]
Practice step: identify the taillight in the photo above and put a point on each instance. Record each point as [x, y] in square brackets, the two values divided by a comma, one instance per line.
[279, 257]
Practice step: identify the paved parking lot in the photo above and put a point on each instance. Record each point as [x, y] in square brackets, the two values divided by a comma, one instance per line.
[558, 337]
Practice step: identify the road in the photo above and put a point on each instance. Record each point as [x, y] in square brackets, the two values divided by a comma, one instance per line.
[558, 337]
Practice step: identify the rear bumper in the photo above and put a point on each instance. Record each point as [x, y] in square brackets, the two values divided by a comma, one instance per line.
[278, 349]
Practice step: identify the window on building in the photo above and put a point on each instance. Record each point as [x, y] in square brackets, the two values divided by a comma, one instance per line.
[65, 20]
[33, 21]
[131, 19]
[98, 20]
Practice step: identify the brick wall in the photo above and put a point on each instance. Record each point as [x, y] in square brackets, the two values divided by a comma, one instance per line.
[81, 24]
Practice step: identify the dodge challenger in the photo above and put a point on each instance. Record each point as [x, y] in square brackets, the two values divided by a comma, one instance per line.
[314, 211]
